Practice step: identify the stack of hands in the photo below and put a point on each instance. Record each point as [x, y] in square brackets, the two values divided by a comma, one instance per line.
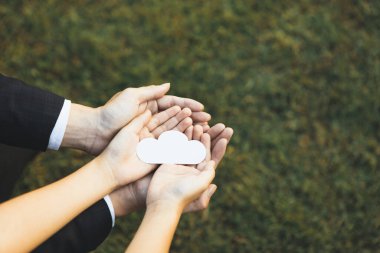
[111, 133]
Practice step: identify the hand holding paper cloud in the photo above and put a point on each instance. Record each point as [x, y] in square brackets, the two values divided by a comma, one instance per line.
[172, 147]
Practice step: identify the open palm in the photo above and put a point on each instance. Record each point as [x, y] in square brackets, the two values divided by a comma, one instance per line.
[179, 184]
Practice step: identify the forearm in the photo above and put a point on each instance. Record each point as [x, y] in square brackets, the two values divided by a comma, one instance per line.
[156, 230]
[35, 216]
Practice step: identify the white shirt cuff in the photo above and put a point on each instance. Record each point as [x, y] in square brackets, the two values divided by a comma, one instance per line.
[59, 129]
[107, 199]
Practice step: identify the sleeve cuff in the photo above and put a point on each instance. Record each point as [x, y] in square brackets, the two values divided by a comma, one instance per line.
[108, 201]
[59, 129]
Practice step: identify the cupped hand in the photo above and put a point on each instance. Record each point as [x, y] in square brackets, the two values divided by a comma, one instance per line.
[132, 197]
[179, 185]
[131, 102]
[120, 158]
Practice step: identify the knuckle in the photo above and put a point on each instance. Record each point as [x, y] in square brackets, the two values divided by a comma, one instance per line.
[154, 122]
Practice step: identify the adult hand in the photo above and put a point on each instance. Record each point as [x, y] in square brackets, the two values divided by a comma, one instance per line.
[131, 197]
[220, 137]
[120, 155]
[92, 129]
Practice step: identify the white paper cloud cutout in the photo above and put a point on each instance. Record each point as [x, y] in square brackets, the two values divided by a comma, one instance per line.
[172, 147]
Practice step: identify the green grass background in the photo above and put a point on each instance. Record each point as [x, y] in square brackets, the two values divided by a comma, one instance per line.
[297, 80]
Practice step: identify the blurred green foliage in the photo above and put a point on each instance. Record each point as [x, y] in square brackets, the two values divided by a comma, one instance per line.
[299, 81]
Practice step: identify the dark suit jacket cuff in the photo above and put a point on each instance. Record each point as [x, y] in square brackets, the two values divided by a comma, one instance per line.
[83, 234]
[28, 114]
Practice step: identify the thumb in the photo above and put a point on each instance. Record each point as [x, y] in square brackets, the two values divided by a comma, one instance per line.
[137, 124]
[152, 92]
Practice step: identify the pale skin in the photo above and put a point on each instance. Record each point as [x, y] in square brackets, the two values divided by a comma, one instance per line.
[132, 197]
[91, 129]
[116, 166]
[172, 189]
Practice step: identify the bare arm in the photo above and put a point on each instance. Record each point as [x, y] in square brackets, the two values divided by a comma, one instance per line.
[156, 230]
[171, 190]
[91, 129]
[35, 216]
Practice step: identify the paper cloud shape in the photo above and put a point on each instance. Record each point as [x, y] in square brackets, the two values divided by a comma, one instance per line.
[172, 147]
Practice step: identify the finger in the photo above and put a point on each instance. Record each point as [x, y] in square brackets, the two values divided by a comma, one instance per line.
[173, 122]
[161, 117]
[200, 116]
[216, 130]
[197, 132]
[205, 128]
[226, 134]
[148, 105]
[183, 125]
[152, 106]
[206, 141]
[144, 133]
[218, 151]
[169, 101]
[142, 107]
[206, 176]
[189, 132]
[152, 92]
[203, 201]
[137, 124]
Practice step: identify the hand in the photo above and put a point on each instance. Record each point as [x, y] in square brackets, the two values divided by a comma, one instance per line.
[177, 185]
[91, 129]
[132, 197]
[167, 174]
[220, 137]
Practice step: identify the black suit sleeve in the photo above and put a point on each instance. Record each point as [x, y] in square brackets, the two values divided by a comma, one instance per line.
[83, 234]
[27, 118]
[27, 114]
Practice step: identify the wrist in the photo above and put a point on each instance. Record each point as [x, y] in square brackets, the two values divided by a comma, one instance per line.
[123, 202]
[103, 166]
[165, 207]
[81, 130]
[100, 181]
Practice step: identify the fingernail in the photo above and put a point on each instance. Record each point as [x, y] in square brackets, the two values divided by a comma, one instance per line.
[177, 108]
[187, 111]
[167, 84]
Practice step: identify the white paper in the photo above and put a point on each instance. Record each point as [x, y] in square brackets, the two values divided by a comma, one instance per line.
[172, 147]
